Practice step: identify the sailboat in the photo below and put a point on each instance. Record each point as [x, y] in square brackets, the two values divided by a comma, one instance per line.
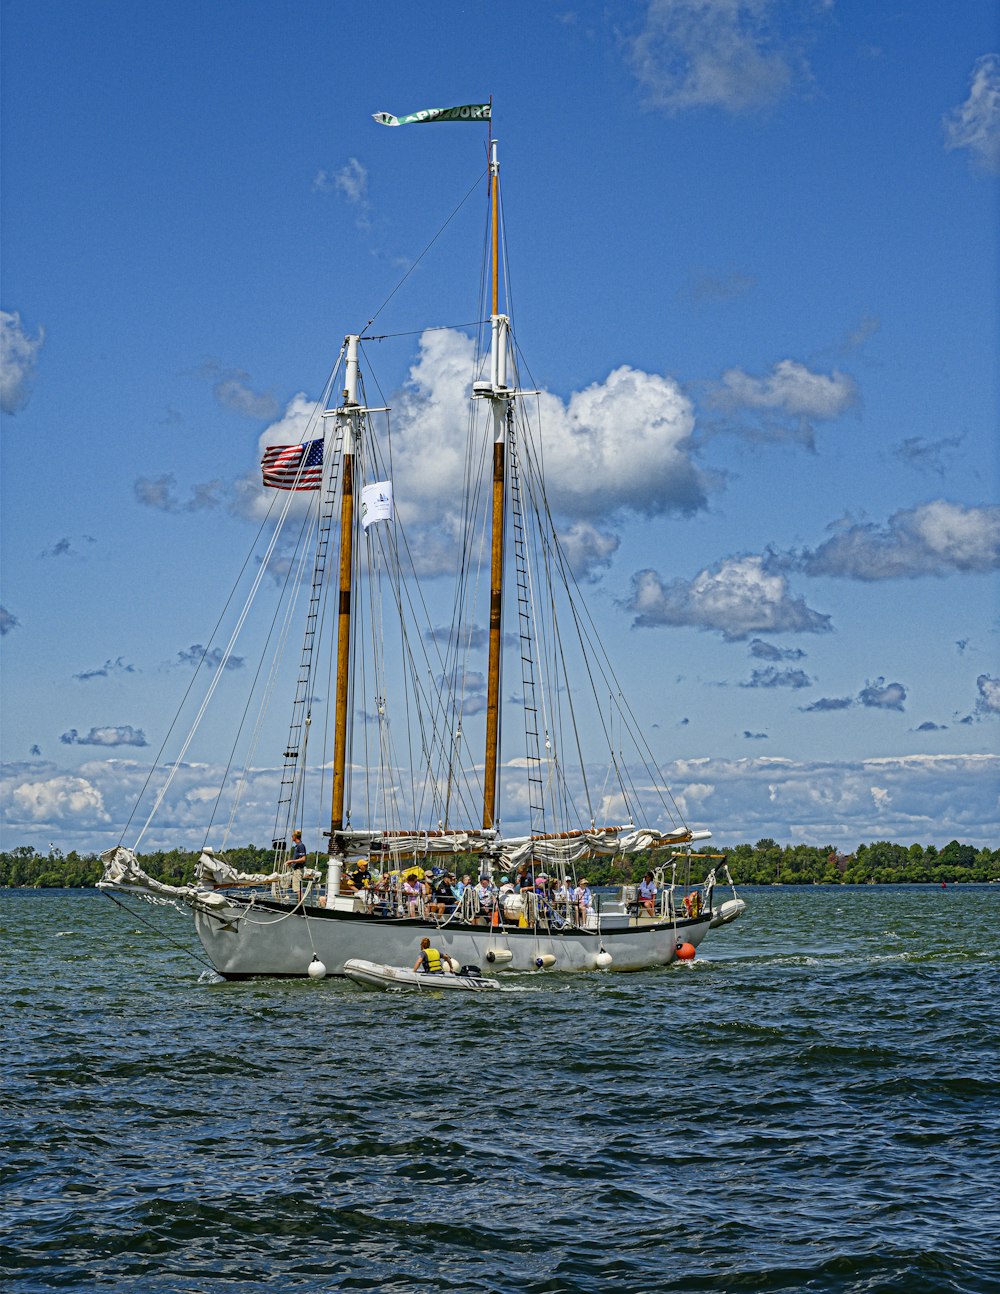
[442, 799]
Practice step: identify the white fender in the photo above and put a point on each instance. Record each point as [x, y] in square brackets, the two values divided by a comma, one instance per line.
[499, 956]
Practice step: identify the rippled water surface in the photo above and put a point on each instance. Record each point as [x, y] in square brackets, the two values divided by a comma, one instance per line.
[812, 1105]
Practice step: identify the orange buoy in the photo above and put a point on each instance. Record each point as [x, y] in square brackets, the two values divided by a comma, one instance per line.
[685, 952]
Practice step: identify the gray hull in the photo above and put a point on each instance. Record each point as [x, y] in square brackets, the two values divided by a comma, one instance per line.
[275, 939]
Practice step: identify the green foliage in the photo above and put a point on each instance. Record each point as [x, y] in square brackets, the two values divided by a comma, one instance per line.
[765, 863]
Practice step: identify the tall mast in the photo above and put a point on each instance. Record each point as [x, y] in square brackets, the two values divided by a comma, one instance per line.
[499, 397]
[348, 415]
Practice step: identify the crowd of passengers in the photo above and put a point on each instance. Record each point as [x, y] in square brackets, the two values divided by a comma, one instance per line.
[440, 893]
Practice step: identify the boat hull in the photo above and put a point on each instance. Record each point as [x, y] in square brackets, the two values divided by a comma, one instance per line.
[274, 939]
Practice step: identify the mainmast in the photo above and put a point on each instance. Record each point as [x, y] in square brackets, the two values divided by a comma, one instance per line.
[348, 415]
[500, 397]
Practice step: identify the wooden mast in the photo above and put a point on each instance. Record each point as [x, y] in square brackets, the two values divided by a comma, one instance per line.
[349, 414]
[497, 395]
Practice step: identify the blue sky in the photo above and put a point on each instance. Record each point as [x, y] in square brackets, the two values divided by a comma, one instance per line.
[754, 258]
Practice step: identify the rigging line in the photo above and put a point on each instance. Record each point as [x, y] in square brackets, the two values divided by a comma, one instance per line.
[156, 930]
[417, 332]
[220, 669]
[468, 195]
[268, 690]
[194, 676]
[232, 593]
[437, 698]
[642, 745]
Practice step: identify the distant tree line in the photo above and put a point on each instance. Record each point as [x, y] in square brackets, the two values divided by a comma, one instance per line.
[765, 863]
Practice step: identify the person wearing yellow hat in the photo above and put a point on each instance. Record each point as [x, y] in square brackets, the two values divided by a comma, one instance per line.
[360, 878]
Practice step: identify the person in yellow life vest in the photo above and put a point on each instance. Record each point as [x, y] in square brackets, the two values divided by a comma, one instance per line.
[430, 960]
[360, 878]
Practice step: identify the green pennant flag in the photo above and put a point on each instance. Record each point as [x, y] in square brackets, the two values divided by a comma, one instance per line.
[467, 112]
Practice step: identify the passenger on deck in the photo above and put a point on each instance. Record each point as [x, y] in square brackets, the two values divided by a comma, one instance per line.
[647, 894]
[412, 894]
[297, 854]
[440, 895]
[360, 878]
[583, 899]
[484, 899]
[430, 960]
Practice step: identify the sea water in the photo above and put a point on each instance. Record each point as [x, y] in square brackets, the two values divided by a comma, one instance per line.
[813, 1104]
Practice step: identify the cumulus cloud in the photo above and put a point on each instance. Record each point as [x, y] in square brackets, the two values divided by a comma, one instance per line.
[18, 356]
[736, 598]
[877, 695]
[988, 701]
[936, 538]
[60, 798]
[929, 456]
[737, 55]
[8, 621]
[231, 388]
[768, 651]
[786, 404]
[930, 798]
[196, 654]
[159, 492]
[770, 676]
[929, 726]
[624, 443]
[619, 445]
[754, 736]
[351, 182]
[881, 695]
[975, 124]
[117, 666]
[588, 549]
[123, 735]
[828, 703]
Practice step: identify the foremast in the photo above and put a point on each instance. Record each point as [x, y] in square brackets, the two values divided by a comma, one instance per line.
[349, 419]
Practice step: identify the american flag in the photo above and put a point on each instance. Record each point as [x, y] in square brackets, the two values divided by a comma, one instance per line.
[284, 468]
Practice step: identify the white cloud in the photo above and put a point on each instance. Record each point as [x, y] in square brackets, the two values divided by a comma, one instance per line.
[588, 550]
[351, 182]
[122, 735]
[975, 124]
[729, 54]
[736, 598]
[231, 388]
[158, 492]
[936, 538]
[8, 621]
[770, 676]
[786, 403]
[18, 355]
[988, 701]
[929, 798]
[619, 444]
[59, 799]
[881, 695]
